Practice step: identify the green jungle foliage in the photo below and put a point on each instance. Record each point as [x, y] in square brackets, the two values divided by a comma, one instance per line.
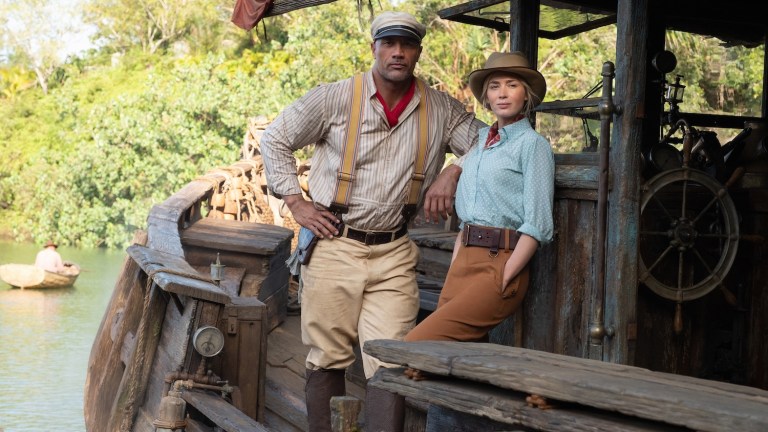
[128, 124]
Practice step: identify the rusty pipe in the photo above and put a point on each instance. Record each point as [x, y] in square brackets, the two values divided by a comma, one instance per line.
[606, 108]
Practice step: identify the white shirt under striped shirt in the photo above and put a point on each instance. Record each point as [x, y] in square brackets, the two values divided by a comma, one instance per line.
[385, 156]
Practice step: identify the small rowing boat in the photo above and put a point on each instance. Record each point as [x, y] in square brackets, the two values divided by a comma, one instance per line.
[27, 276]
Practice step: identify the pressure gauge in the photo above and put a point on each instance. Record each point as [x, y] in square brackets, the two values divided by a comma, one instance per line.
[208, 341]
[665, 157]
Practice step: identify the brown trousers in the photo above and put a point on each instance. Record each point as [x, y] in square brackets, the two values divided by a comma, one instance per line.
[473, 301]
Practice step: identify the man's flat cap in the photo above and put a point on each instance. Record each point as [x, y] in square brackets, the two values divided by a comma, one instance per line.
[402, 24]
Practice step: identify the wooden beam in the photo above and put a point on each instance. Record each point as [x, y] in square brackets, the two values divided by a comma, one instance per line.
[524, 28]
[483, 401]
[623, 198]
[676, 400]
[453, 12]
[581, 28]
[221, 413]
[173, 274]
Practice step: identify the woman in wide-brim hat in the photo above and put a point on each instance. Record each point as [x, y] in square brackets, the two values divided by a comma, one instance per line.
[504, 200]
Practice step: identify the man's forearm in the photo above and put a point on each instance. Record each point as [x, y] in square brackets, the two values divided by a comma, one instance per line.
[452, 171]
[293, 200]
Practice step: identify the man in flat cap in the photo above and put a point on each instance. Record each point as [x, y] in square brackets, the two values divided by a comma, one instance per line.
[381, 139]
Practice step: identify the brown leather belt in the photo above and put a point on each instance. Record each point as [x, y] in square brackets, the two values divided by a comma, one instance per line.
[490, 237]
[374, 237]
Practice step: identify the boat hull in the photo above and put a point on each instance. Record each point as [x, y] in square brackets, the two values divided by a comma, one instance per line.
[27, 276]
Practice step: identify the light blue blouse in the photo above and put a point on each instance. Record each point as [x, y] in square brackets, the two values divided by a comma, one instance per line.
[509, 184]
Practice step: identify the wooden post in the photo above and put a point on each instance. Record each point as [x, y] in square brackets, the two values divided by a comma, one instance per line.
[344, 413]
[524, 28]
[623, 198]
[764, 104]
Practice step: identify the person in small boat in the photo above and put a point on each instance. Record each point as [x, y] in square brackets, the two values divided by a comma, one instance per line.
[360, 283]
[49, 259]
[504, 200]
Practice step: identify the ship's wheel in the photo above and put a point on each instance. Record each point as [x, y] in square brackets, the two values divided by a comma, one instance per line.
[689, 234]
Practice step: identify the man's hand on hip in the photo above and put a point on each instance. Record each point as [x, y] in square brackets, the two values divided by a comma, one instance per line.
[321, 222]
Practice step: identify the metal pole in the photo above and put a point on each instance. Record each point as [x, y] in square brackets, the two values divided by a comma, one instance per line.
[597, 330]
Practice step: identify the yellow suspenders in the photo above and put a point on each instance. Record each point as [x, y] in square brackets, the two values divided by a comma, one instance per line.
[352, 137]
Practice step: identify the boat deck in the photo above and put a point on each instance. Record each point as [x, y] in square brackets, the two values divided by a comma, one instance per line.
[284, 389]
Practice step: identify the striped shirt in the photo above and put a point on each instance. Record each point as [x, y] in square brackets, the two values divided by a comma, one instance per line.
[385, 156]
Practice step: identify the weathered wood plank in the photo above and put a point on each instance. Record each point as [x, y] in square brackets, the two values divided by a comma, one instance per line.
[684, 401]
[433, 263]
[576, 177]
[441, 419]
[133, 386]
[169, 356]
[433, 237]
[344, 413]
[624, 167]
[221, 413]
[285, 397]
[236, 236]
[540, 300]
[509, 407]
[173, 274]
[106, 361]
[575, 274]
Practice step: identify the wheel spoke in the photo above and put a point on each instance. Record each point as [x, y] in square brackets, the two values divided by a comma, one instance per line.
[703, 262]
[704, 210]
[661, 206]
[715, 236]
[655, 233]
[680, 263]
[658, 260]
[685, 198]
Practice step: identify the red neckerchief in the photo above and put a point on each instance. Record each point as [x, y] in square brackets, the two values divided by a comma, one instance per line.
[394, 115]
[493, 134]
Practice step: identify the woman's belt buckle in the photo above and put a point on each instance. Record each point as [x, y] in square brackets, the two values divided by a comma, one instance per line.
[484, 237]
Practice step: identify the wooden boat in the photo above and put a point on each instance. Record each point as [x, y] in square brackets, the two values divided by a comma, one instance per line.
[608, 337]
[27, 276]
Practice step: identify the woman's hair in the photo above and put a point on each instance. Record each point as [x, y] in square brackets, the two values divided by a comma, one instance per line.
[531, 99]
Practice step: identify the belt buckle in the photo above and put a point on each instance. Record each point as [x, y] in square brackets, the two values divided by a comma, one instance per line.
[465, 235]
[370, 238]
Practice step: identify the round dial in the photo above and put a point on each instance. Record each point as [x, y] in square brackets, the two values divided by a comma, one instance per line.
[665, 157]
[208, 341]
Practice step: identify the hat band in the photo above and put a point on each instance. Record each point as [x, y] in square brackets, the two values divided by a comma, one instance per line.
[395, 29]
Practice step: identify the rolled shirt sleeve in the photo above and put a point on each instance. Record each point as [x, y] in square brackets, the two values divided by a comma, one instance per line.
[538, 191]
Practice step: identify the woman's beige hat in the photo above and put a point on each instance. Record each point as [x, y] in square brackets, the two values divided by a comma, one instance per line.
[514, 62]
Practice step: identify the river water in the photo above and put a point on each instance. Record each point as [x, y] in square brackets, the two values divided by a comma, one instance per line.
[46, 338]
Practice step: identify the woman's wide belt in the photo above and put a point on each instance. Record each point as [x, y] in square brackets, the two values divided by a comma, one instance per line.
[490, 237]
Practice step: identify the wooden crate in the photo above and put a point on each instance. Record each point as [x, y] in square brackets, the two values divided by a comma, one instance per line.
[258, 251]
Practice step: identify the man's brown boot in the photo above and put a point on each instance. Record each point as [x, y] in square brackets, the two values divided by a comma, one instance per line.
[321, 386]
[384, 411]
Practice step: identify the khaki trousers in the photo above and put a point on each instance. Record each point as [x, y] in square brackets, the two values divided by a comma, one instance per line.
[356, 292]
[472, 301]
